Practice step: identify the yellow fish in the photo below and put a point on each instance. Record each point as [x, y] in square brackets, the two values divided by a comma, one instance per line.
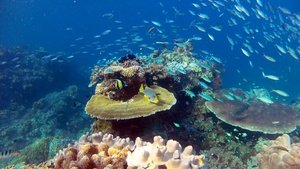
[119, 84]
[149, 93]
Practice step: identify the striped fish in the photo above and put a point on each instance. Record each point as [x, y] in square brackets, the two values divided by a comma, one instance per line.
[8, 154]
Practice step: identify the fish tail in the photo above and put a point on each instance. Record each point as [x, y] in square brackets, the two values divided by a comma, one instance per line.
[263, 73]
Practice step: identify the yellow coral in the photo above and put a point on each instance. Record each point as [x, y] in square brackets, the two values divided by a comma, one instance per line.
[102, 107]
[117, 152]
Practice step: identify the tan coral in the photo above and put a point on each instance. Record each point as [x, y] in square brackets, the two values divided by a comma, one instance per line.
[95, 151]
[280, 155]
[102, 107]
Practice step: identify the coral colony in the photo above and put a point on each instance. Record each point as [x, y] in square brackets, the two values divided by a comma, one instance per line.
[178, 95]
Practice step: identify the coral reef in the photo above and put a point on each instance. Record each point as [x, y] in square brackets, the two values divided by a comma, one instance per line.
[105, 151]
[53, 115]
[255, 117]
[102, 107]
[158, 154]
[239, 109]
[24, 73]
[280, 154]
[37, 152]
[177, 71]
[95, 151]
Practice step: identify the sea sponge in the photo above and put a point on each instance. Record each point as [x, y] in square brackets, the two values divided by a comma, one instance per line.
[281, 154]
[102, 107]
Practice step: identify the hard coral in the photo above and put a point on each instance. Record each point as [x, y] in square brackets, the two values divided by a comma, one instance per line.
[161, 155]
[105, 151]
[102, 107]
[255, 116]
[96, 151]
[280, 155]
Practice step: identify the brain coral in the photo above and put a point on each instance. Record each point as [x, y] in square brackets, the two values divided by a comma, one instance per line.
[102, 107]
[280, 155]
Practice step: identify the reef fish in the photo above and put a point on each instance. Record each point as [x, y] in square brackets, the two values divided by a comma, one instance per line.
[205, 96]
[271, 77]
[119, 84]
[190, 93]
[281, 93]
[149, 93]
[8, 154]
[265, 99]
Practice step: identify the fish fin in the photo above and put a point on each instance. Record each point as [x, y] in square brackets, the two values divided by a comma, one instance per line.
[142, 88]
[263, 73]
[155, 100]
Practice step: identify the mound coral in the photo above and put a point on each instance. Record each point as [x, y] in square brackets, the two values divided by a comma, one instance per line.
[280, 155]
[101, 107]
[255, 116]
[105, 151]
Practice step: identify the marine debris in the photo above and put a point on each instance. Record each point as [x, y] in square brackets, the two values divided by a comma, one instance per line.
[280, 154]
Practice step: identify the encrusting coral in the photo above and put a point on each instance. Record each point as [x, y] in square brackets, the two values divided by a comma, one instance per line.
[105, 151]
[280, 155]
[102, 107]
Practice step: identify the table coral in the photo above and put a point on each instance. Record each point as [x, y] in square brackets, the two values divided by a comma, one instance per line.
[280, 155]
[102, 107]
[255, 116]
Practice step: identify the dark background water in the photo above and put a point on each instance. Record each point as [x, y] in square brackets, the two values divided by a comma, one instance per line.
[56, 24]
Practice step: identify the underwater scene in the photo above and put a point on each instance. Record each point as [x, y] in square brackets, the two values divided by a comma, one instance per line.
[158, 84]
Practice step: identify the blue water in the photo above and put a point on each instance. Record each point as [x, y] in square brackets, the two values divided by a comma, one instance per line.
[55, 25]
[92, 30]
